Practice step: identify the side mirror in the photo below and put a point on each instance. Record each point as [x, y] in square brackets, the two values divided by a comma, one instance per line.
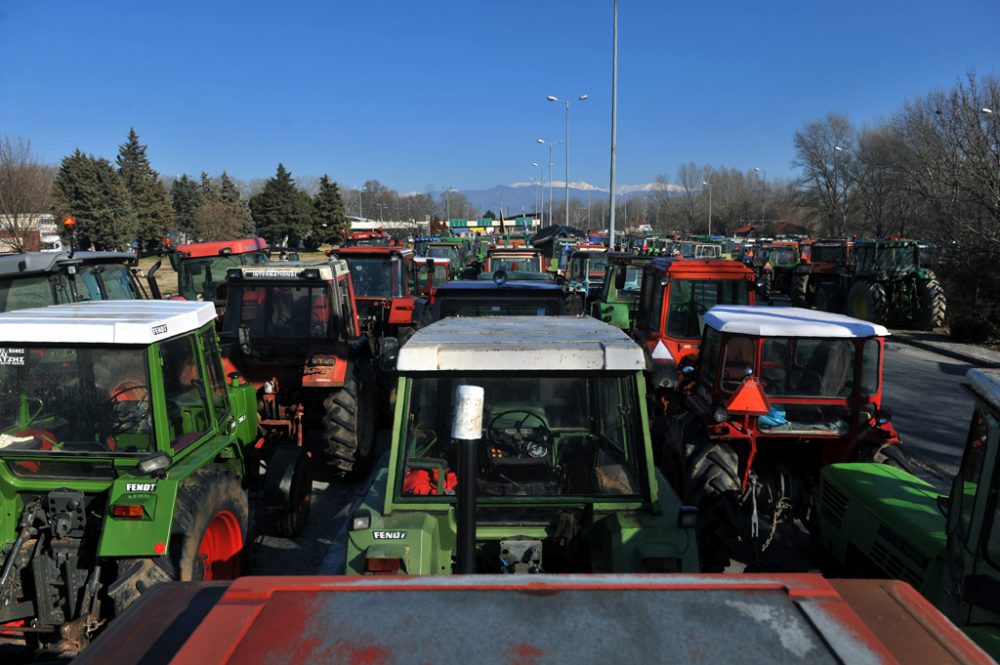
[883, 417]
[388, 354]
[620, 274]
[243, 335]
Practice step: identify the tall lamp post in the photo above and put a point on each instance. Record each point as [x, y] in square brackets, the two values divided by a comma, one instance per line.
[541, 190]
[709, 185]
[763, 201]
[581, 98]
[550, 144]
[614, 125]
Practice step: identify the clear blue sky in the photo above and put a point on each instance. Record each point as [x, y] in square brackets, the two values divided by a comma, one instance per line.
[423, 95]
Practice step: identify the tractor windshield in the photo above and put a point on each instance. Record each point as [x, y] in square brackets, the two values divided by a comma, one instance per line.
[516, 263]
[280, 311]
[376, 277]
[572, 436]
[439, 276]
[38, 291]
[493, 306]
[785, 256]
[633, 279]
[73, 401]
[199, 277]
[373, 241]
[691, 298]
[828, 253]
[107, 281]
[897, 258]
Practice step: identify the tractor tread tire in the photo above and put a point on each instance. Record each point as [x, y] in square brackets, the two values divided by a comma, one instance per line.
[199, 498]
[713, 485]
[877, 305]
[933, 304]
[800, 291]
[348, 428]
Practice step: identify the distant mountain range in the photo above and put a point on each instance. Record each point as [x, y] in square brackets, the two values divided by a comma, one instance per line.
[523, 196]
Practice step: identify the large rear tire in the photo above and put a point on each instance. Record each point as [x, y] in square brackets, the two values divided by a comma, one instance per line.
[866, 301]
[800, 291]
[933, 305]
[287, 492]
[349, 426]
[713, 485]
[209, 538]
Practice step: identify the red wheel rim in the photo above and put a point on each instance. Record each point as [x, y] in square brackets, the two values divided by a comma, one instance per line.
[221, 547]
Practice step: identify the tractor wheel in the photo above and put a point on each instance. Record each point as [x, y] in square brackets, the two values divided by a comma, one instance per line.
[933, 305]
[287, 492]
[713, 485]
[209, 539]
[574, 304]
[890, 454]
[766, 290]
[800, 291]
[348, 427]
[866, 300]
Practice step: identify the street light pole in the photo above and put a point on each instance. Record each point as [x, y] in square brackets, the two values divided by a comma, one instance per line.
[763, 203]
[550, 144]
[541, 191]
[709, 185]
[614, 124]
[581, 98]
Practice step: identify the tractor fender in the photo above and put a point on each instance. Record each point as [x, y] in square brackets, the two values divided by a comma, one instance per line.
[148, 535]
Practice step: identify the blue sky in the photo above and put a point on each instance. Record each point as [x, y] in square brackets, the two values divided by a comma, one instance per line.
[423, 95]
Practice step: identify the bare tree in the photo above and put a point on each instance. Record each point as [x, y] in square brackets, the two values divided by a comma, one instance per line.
[25, 191]
[825, 151]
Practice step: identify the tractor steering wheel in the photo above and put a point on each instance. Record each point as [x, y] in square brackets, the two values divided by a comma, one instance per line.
[129, 407]
[537, 443]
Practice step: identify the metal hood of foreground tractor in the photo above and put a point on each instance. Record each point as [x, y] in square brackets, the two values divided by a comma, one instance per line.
[105, 322]
[520, 344]
[788, 322]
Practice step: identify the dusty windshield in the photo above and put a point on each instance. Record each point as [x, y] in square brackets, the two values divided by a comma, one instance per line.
[691, 298]
[202, 276]
[542, 436]
[74, 400]
[375, 277]
[280, 311]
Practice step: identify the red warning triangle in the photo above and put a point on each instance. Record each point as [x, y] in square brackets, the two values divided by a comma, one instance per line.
[749, 400]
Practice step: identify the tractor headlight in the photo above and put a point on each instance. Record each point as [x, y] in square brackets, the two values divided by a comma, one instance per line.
[361, 520]
[721, 414]
[154, 464]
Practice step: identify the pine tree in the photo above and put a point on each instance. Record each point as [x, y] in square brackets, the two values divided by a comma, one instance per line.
[281, 211]
[148, 196]
[330, 223]
[91, 190]
[187, 197]
[240, 210]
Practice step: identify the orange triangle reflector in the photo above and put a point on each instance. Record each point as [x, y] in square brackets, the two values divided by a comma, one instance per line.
[749, 400]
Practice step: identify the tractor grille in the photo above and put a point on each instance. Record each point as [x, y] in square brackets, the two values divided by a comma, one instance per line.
[834, 504]
[893, 566]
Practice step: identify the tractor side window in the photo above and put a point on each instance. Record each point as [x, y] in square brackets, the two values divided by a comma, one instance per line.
[346, 309]
[184, 388]
[655, 289]
[738, 363]
[969, 475]
[216, 378]
[30, 292]
[870, 367]
[709, 359]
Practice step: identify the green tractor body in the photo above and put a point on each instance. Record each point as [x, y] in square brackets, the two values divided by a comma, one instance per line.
[618, 300]
[888, 284]
[122, 462]
[877, 521]
[564, 477]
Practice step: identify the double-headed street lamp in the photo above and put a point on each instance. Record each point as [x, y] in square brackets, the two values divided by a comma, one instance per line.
[550, 144]
[581, 98]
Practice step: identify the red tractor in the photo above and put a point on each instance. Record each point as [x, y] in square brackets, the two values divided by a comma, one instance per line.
[775, 395]
[429, 274]
[201, 267]
[292, 331]
[376, 238]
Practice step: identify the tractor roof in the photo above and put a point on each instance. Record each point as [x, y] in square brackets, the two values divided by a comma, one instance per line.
[462, 287]
[48, 262]
[985, 383]
[703, 267]
[361, 251]
[788, 322]
[439, 260]
[105, 322]
[222, 247]
[306, 270]
[520, 344]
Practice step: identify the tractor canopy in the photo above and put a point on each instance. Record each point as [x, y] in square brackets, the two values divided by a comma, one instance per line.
[38, 279]
[467, 298]
[201, 267]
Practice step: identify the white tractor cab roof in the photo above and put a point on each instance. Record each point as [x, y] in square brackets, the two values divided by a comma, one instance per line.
[317, 270]
[520, 344]
[105, 322]
[788, 322]
[985, 384]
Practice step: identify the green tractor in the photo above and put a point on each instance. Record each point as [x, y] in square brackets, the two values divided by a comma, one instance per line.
[879, 521]
[618, 300]
[123, 453]
[817, 276]
[890, 285]
[550, 471]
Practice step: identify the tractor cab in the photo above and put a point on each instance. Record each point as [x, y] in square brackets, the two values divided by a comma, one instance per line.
[447, 250]
[429, 275]
[884, 522]
[619, 297]
[699, 250]
[37, 279]
[674, 296]
[562, 478]
[815, 277]
[499, 297]
[783, 257]
[201, 267]
[420, 244]
[518, 263]
[376, 238]
[585, 276]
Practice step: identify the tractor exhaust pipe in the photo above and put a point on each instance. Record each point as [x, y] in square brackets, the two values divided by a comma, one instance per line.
[467, 432]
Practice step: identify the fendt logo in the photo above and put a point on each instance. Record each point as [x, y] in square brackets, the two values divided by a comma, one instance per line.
[388, 535]
[140, 487]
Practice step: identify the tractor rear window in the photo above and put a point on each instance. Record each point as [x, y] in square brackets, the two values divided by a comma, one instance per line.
[106, 282]
[783, 257]
[279, 311]
[633, 279]
[499, 307]
[376, 277]
[28, 292]
[542, 437]
[690, 299]
[805, 367]
[74, 400]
